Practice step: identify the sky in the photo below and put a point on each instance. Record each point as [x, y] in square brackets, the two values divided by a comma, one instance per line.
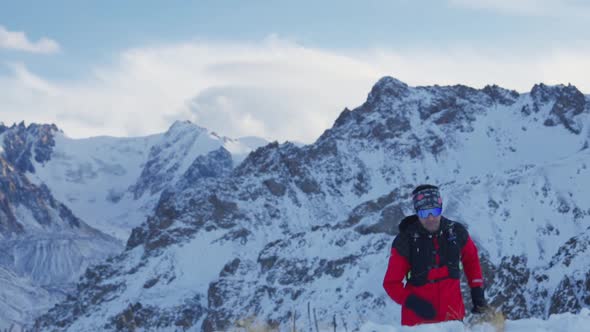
[281, 70]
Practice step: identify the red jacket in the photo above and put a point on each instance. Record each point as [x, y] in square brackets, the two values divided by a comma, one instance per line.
[444, 293]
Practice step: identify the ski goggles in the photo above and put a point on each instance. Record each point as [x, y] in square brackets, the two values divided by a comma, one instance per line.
[435, 212]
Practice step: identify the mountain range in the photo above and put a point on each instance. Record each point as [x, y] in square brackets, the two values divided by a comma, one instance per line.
[286, 230]
[66, 204]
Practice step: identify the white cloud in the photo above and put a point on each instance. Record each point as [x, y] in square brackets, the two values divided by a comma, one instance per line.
[555, 8]
[274, 88]
[17, 40]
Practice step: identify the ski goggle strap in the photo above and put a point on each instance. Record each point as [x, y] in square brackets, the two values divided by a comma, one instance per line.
[435, 212]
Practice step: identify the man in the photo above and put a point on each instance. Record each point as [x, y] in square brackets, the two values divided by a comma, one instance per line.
[428, 253]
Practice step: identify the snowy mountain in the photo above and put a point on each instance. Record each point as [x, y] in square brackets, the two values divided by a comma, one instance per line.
[115, 183]
[44, 246]
[53, 187]
[21, 299]
[295, 229]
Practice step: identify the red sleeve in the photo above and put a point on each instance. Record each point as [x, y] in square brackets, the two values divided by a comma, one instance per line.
[396, 272]
[470, 260]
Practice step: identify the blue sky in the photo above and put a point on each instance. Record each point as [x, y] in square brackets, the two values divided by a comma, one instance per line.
[94, 67]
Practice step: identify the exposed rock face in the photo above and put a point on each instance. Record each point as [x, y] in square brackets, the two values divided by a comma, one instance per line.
[216, 164]
[21, 143]
[509, 291]
[565, 102]
[17, 193]
[292, 228]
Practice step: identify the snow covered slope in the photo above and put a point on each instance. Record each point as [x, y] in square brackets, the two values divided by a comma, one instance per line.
[45, 248]
[293, 228]
[20, 299]
[555, 323]
[114, 183]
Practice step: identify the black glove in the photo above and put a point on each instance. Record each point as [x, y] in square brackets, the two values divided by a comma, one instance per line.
[420, 306]
[480, 304]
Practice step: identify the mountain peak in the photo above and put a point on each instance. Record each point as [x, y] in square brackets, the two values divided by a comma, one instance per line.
[21, 143]
[31, 127]
[183, 126]
[562, 102]
[501, 95]
[388, 87]
[544, 93]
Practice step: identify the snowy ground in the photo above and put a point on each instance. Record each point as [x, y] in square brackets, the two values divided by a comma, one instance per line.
[555, 323]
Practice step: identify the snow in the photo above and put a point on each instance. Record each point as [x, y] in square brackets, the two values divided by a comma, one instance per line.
[200, 257]
[487, 148]
[92, 176]
[506, 184]
[555, 323]
[83, 172]
[192, 266]
[211, 258]
[25, 217]
[241, 147]
[20, 299]
[507, 158]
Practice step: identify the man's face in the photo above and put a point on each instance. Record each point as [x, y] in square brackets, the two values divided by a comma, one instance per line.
[431, 223]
